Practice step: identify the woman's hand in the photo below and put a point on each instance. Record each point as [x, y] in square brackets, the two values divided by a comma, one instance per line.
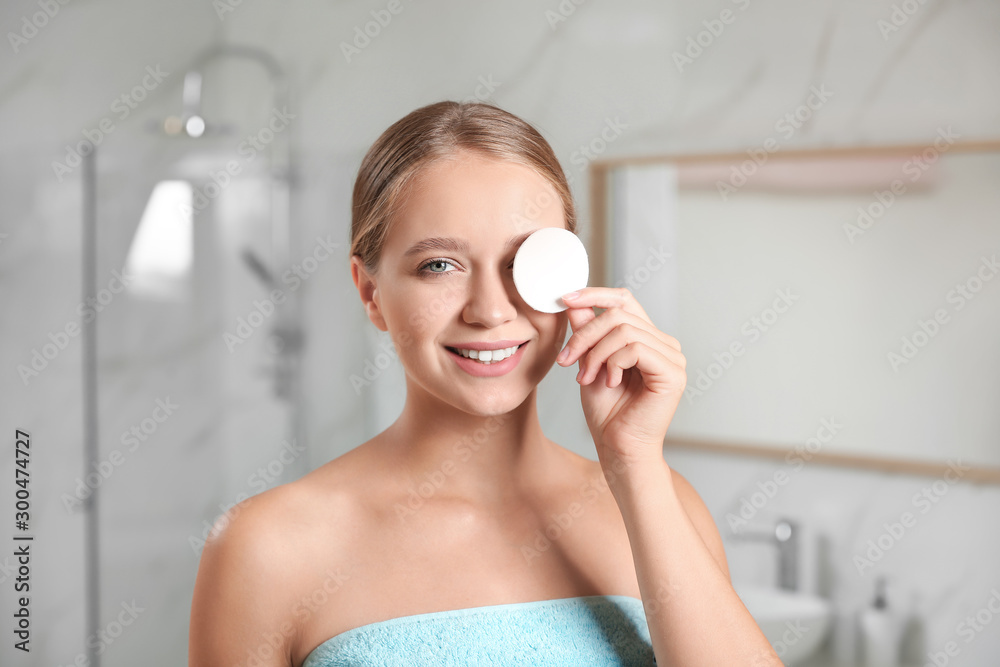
[631, 374]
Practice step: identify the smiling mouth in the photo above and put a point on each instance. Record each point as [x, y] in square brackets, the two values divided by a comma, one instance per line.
[487, 357]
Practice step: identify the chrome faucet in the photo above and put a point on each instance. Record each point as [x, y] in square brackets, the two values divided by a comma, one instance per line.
[785, 536]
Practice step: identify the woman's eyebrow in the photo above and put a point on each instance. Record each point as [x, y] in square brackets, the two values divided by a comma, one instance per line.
[457, 245]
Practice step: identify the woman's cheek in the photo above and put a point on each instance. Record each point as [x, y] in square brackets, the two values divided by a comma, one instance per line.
[430, 302]
[557, 325]
[417, 322]
[403, 339]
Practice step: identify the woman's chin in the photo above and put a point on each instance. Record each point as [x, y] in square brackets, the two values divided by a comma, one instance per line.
[495, 403]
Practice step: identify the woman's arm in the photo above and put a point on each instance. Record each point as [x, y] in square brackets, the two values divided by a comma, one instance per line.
[700, 517]
[240, 613]
[694, 615]
[632, 377]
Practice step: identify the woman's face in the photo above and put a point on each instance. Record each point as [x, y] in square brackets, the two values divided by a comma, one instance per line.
[458, 291]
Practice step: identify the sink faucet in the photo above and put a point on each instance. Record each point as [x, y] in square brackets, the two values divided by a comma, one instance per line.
[785, 536]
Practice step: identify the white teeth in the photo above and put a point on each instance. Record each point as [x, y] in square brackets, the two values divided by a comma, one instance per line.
[488, 356]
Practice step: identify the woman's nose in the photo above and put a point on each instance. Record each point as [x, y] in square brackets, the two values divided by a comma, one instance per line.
[490, 301]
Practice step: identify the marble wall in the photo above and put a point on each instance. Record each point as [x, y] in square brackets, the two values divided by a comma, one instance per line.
[599, 80]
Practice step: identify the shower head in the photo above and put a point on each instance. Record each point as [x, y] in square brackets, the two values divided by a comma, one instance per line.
[190, 123]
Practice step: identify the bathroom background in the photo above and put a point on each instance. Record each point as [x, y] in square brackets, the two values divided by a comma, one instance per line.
[230, 350]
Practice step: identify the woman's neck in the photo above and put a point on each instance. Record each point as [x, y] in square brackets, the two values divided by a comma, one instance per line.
[483, 459]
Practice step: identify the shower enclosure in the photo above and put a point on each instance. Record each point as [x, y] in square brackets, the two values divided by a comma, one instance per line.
[192, 358]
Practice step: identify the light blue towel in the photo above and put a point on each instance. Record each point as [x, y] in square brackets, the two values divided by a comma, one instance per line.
[592, 630]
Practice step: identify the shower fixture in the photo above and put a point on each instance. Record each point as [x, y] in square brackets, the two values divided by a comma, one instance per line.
[251, 259]
[191, 122]
[287, 337]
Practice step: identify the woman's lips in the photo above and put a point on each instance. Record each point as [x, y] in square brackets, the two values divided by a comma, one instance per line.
[493, 369]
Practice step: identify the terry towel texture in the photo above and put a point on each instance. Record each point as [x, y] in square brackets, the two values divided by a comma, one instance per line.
[595, 630]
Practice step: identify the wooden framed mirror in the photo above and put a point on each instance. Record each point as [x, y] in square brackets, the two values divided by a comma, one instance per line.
[840, 303]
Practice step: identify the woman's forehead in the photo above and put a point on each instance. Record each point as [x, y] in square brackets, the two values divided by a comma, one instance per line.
[479, 173]
[492, 198]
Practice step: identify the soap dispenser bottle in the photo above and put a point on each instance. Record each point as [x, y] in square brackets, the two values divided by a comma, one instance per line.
[881, 630]
[913, 645]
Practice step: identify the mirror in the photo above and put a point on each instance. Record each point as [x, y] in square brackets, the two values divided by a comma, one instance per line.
[843, 303]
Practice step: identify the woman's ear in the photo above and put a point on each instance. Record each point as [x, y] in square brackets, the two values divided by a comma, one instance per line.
[368, 289]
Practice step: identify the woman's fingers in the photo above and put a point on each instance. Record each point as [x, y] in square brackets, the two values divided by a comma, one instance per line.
[657, 371]
[579, 317]
[608, 297]
[589, 329]
[620, 337]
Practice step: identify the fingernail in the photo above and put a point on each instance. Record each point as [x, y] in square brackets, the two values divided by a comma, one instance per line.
[562, 355]
[571, 295]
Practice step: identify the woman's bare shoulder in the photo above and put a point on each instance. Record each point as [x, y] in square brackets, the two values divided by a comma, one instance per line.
[291, 516]
[262, 536]
[262, 554]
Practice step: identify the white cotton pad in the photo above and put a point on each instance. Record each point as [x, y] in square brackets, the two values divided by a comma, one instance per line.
[550, 263]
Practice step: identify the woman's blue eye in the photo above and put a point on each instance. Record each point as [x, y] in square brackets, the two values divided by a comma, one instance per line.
[425, 269]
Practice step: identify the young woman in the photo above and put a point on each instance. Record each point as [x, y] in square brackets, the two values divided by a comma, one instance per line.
[461, 534]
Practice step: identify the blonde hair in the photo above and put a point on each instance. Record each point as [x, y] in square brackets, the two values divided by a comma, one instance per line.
[430, 134]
